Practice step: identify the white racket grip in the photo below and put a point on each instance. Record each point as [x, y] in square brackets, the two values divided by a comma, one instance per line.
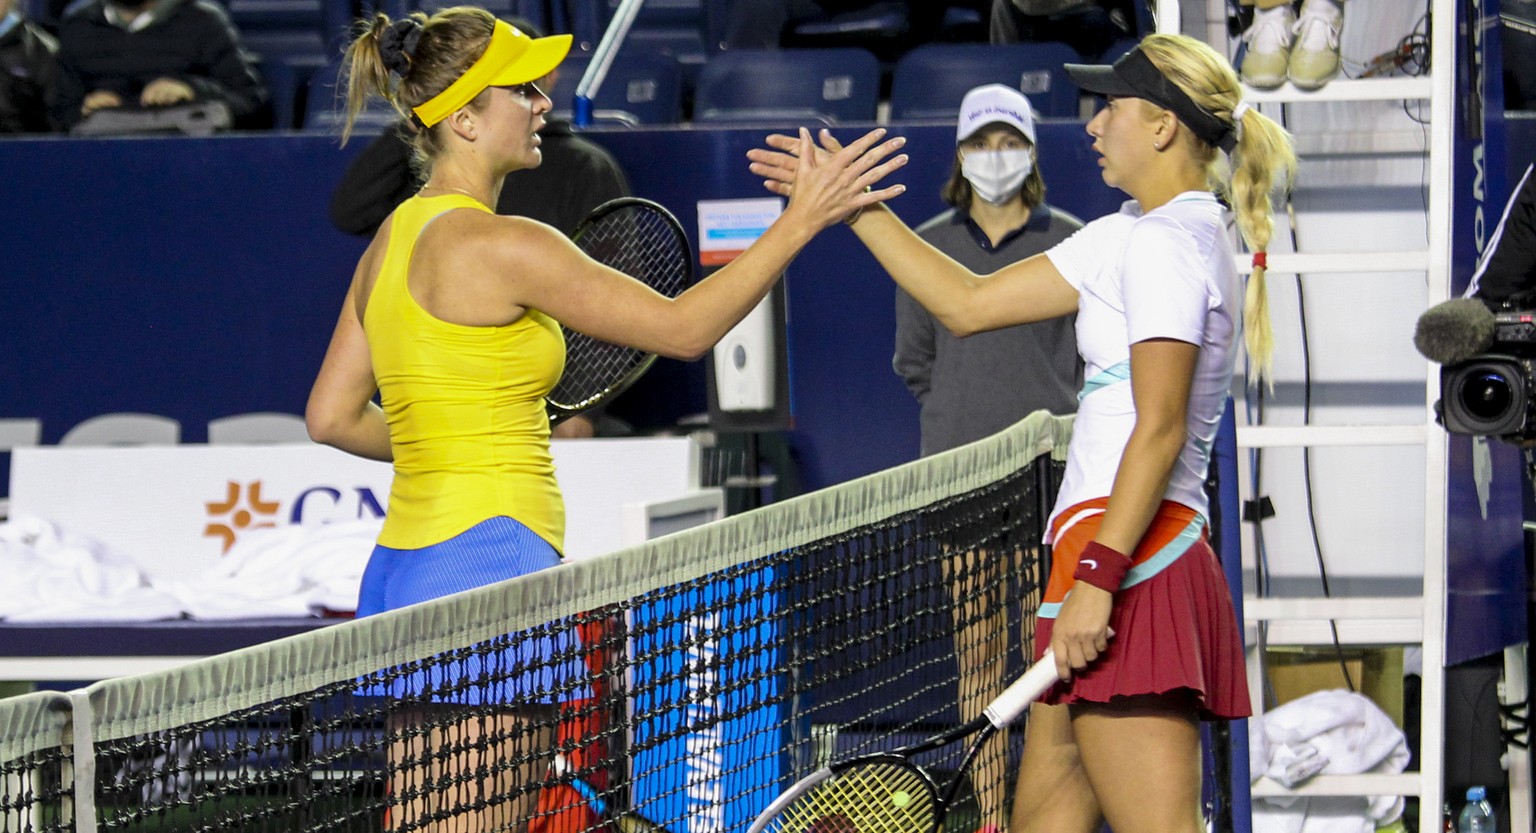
[1017, 697]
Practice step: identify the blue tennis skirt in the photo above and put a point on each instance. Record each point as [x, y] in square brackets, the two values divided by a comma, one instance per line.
[530, 667]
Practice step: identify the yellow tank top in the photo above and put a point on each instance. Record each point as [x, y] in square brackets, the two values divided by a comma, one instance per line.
[465, 405]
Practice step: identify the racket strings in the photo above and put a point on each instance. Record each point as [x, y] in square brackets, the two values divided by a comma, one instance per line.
[865, 798]
[649, 247]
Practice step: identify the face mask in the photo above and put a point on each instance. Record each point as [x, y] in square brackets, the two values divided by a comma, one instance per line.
[996, 175]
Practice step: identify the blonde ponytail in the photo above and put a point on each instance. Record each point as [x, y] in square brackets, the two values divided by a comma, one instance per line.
[1263, 161]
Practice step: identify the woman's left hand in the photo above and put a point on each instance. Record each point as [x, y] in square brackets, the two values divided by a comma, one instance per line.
[1081, 631]
[831, 182]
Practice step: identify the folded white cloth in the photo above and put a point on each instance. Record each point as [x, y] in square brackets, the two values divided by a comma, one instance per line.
[56, 576]
[282, 571]
[1334, 732]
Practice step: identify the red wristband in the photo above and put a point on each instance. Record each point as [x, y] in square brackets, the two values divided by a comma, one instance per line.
[1102, 567]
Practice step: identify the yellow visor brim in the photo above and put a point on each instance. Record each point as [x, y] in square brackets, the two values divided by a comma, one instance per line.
[510, 57]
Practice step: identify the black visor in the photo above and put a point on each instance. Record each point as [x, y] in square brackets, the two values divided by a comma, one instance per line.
[1135, 76]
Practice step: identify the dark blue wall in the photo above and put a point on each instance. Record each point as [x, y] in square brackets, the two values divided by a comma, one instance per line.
[200, 278]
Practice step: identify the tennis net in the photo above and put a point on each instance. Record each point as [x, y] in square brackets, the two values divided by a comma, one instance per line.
[674, 686]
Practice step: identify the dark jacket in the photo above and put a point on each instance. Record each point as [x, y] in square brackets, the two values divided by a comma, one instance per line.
[1507, 270]
[30, 66]
[192, 41]
[575, 177]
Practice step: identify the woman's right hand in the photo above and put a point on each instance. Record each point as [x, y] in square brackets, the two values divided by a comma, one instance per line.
[829, 183]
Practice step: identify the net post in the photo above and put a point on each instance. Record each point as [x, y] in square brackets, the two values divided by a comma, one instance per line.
[83, 756]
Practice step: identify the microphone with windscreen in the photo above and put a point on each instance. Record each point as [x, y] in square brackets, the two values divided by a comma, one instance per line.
[1455, 331]
[1488, 368]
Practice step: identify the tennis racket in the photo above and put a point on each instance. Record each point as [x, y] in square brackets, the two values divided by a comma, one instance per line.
[887, 792]
[644, 241]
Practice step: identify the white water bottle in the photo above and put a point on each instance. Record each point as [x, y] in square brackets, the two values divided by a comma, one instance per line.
[1477, 813]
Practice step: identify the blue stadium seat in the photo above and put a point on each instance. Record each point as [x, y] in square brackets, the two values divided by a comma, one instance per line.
[830, 86]
[325, 106]
[930, 81]
[639, 89]
[274, 28]
[675, 28]
[1117, 49]
[287, 79]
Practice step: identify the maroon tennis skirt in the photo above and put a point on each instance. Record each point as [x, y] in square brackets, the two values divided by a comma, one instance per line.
[1176, 636]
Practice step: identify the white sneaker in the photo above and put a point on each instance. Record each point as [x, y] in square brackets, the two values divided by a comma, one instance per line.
[1315, 57]
[1269, 47]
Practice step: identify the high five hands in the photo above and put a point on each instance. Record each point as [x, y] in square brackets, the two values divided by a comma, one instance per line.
[835, 182]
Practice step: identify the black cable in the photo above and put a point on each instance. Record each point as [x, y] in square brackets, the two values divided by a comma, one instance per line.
[1306, 451]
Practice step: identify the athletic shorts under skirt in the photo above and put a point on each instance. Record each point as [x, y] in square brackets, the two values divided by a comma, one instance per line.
[1176, 632]
[493, 550]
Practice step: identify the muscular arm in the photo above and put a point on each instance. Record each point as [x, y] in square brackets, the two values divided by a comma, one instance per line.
[1024, 292]
[1162, 374]
[557, 278]
[964, 302]
[341, 411]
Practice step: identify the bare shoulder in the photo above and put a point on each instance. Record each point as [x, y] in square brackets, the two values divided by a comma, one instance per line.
[476, 236]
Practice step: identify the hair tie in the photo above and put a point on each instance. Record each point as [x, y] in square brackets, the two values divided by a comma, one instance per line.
[1260, 260]
[397, 46]
[1237, 123]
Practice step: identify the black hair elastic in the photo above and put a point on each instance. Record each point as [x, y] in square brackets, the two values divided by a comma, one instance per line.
[397, 46]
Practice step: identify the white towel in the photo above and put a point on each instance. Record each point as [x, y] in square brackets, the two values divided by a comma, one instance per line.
[1333, 732]
[52, 575]
[56, 576]
[282, 571]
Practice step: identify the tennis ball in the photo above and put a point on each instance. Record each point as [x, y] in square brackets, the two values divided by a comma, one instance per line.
[901, 798]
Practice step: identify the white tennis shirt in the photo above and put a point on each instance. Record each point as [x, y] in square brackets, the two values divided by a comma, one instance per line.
[1168, 273]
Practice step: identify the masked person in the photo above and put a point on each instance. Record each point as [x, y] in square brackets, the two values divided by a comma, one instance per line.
[975, 386]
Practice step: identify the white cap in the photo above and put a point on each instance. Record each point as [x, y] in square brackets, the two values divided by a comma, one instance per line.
[995, 103]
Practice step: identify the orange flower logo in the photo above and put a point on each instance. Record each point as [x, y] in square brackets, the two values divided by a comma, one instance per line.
[237, 513]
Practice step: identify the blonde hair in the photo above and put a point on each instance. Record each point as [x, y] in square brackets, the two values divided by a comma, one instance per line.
[1263, 161]
[439, 50]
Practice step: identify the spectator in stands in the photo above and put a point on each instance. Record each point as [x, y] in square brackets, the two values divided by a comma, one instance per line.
[575, 176]
[1279, 45]
[1089, 26]
[976, 386]
[30, 66]
[141, 54]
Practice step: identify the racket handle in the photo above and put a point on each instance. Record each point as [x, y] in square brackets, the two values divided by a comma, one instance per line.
[1017, 697]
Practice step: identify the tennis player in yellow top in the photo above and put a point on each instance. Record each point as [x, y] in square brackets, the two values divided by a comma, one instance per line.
[451, 319]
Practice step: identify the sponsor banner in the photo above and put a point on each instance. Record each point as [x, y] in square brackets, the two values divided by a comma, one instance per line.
[176, 509]
[707, 749]
[728, 227]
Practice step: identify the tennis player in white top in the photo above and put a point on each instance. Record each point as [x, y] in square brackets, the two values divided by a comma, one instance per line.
[1157, 300]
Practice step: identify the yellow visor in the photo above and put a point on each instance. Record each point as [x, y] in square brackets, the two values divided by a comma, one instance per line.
[510, 58]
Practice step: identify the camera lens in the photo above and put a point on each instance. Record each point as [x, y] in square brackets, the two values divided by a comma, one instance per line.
[1486, 395]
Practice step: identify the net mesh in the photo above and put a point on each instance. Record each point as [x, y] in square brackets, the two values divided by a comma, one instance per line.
[36, 783]
[675, 686]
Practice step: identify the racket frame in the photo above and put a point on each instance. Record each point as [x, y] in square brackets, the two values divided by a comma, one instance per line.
[998, 715]
[559, 412]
